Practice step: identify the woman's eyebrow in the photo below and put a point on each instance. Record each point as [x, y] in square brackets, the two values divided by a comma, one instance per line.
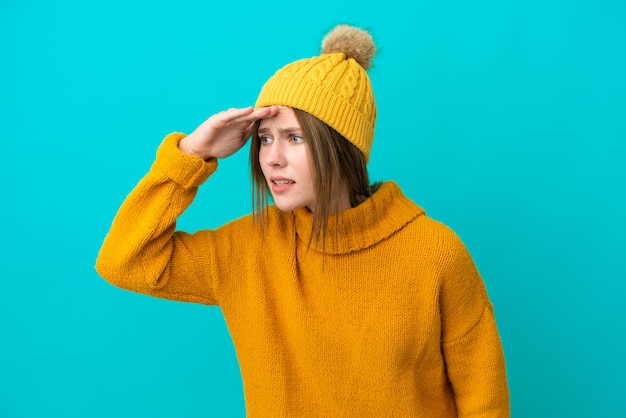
[288, 130]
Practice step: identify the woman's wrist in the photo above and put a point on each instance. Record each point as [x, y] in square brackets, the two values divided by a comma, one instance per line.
[186, 146]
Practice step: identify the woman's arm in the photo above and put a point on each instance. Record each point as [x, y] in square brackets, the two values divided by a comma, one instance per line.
[471, 344]
[142, 252]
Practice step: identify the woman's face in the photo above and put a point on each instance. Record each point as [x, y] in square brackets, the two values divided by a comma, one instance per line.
[284, 159]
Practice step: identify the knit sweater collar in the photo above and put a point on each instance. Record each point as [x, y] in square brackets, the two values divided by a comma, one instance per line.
[386, 212]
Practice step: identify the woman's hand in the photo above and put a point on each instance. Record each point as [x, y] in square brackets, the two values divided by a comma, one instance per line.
[224, 133]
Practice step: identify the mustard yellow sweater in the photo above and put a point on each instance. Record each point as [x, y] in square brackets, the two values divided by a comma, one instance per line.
[396, 323]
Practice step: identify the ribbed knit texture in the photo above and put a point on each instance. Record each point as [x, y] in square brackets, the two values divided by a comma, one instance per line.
[395, 323]
[334, 89]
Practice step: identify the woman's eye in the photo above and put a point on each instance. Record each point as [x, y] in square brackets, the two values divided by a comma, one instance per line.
[265, 140]
[297, 139]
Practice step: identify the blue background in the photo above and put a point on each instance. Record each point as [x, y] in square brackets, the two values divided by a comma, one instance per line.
[505, 120]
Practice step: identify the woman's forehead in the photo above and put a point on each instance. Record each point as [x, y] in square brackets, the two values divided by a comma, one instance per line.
[285, 118]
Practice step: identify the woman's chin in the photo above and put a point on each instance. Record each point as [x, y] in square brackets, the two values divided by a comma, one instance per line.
[287, 206]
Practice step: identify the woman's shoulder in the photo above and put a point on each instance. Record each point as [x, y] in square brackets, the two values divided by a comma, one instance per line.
[432, 233]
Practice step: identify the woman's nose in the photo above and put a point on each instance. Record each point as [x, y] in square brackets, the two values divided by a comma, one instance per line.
[275, 155]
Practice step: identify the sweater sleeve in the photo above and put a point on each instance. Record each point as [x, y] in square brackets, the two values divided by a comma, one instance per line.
[142, 252]
[471, 344]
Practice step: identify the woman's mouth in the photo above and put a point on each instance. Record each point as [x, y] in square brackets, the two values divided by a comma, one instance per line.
[280, 184]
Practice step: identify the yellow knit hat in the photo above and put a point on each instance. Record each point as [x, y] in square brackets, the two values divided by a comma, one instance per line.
[334, 87]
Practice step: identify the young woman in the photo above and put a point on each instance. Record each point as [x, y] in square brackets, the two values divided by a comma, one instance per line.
[342, 299]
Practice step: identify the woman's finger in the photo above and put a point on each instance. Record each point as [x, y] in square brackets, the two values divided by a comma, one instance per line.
[257, 113]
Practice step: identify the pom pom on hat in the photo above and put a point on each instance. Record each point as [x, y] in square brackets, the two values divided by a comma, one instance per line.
[354, 42]
[334, 87]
